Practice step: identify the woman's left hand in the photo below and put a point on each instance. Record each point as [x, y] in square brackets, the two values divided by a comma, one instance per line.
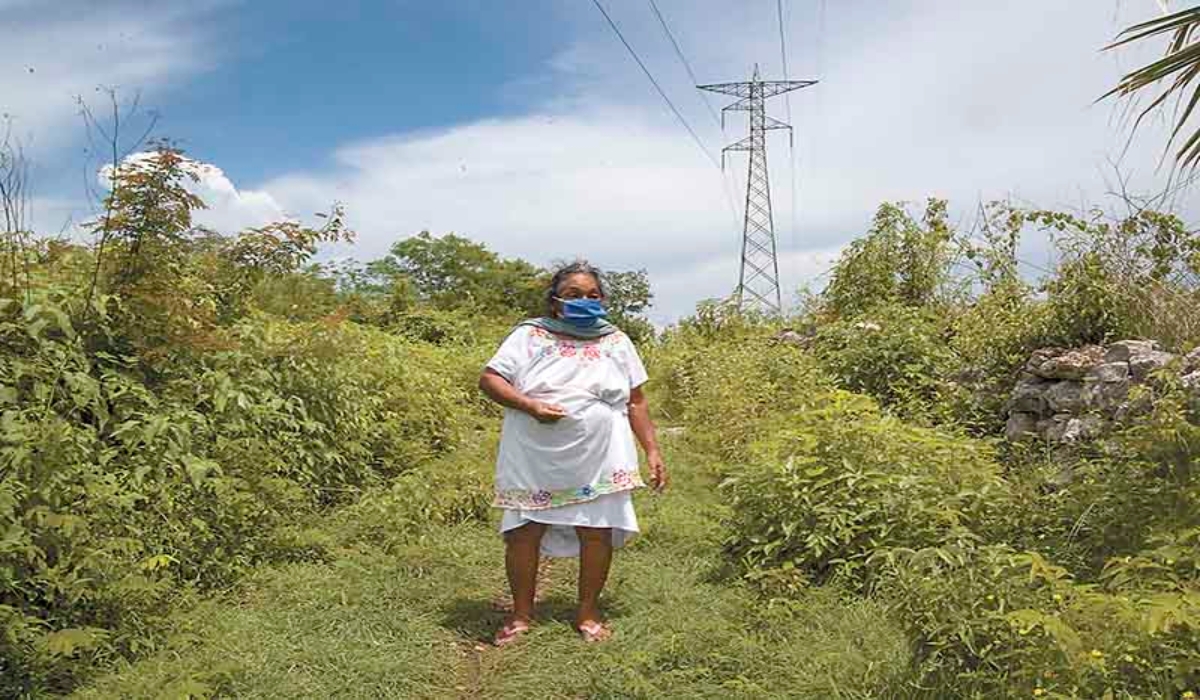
[658, 471]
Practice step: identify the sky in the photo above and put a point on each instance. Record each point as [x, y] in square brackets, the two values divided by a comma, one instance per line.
[526, 125]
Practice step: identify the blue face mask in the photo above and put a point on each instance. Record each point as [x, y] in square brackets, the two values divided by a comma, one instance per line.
[582, 312]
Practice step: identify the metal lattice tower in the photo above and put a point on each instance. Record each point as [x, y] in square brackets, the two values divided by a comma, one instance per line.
[758, 282]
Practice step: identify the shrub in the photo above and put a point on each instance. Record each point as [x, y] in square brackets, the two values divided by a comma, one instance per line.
[724, 389]
[896, 353]
[990, 341]
[990, 621]
[126, 485]
[1114, 498]
[899, 261]
[840, 481]
[450, 490]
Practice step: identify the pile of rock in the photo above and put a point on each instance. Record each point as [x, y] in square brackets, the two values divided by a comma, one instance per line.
[1069, 395]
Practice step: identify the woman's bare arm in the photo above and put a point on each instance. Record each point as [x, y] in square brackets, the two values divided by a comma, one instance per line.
[643, 429]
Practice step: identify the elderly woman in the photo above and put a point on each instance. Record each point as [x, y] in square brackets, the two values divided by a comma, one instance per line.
[571, 384]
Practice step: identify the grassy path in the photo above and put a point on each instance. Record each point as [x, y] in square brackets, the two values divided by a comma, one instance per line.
[412, 620]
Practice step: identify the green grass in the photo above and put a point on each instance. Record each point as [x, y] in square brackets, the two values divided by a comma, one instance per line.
[414, 623]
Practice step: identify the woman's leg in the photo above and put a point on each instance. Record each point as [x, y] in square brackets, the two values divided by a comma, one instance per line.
[521, 563]
[595, 555]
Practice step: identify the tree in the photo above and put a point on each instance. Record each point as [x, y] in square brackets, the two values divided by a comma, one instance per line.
[452, 272]
[901, 260]
[1180, 66]
[628, 295]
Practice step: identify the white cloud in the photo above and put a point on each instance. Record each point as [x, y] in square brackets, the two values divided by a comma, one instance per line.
[227, 209]
[967, 101]
[57, 52]
[962, 100]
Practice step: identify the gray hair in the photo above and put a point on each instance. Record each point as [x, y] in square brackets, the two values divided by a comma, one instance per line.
[563, 272]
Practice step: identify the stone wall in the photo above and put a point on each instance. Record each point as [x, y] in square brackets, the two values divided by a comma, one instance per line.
[1067, 395]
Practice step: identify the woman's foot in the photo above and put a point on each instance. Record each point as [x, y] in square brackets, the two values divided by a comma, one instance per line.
[593, 630]
[511, 632]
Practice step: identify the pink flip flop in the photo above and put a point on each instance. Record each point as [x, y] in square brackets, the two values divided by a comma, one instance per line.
[593, 631]
[510, 632]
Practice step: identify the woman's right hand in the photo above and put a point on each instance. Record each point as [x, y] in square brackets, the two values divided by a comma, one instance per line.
[545, 412]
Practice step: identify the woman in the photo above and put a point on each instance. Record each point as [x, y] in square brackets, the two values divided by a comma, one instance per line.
[571, 384]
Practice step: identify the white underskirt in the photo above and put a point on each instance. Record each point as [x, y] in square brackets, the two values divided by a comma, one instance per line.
[614, 510]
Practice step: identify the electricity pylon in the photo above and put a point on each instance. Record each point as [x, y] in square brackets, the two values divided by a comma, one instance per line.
[758, 282]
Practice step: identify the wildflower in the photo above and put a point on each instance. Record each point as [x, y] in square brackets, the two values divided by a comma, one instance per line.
[1127, 658]
[1039, 692]
[1097, 654]
[1058, 597]
[1188, 695]
[1170, 562]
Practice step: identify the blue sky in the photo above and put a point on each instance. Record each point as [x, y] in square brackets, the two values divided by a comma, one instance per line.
[525, 124]
[337, 72]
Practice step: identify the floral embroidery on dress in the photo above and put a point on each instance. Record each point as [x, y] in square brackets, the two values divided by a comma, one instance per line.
[545, 343]
[621, 480]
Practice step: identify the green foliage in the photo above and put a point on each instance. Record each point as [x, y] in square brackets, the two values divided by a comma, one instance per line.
[897, 354]
[991, 621]
[900, 260]
[1176, 70]
[178, 284]
[451, 272]
[1133, 277]
[725, 388]
[839, 481]
[120, 495]
[130, 481]
[453, 489]
[989, 342]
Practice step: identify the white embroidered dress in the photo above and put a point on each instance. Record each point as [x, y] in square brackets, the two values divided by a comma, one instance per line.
[580, 469]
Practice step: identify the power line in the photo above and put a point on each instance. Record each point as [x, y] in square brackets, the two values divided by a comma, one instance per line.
[791, 141]
[686, 64]
[704, 96]
[699, 143]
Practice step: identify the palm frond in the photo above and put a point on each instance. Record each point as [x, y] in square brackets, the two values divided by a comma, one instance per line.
[1180, 65]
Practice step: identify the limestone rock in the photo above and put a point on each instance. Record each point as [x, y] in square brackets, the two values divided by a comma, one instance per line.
[790, 337]
[1065, 397]
[1029, 395]
[1082, 428]
[1104, 396]
[1068, 396]
[1125, 350]
[1141, 366]
[1054, 427]
[1191, 361]
[1068, 364]
[1020, 426]
[1109, 372]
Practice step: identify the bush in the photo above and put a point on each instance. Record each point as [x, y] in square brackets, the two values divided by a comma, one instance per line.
[453, 489]
[1113, 498]
[899, 261]
[896, 353]
[126, 485]
[992, 622]
[840, 481]
[990, 341]
[724, 389]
